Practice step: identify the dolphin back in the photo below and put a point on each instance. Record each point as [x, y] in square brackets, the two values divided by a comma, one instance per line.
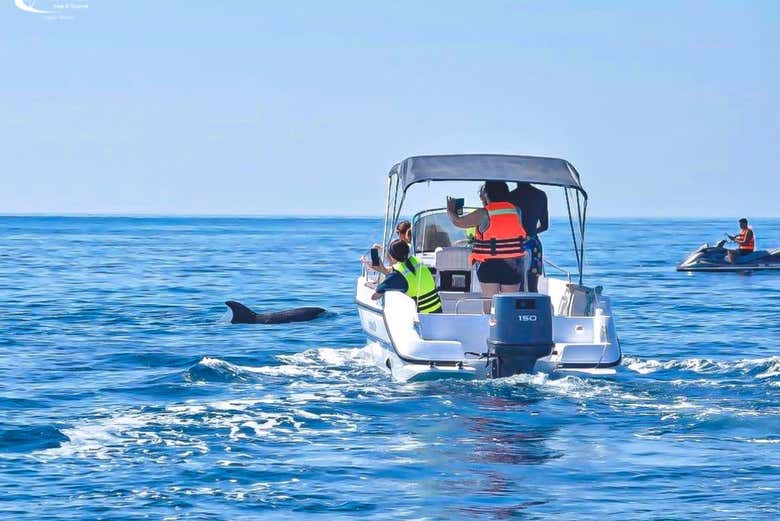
[244, 315]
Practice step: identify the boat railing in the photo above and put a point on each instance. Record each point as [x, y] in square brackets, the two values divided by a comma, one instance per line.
[470, 299]
[369, 275]
[565, 272]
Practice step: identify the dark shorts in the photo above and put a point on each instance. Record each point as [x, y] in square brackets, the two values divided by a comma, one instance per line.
[743, 252]
[501, 271]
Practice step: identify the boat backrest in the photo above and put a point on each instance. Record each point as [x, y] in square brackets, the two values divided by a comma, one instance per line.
[578, 301]
[452, 265]
[453, 258]
[458, 302]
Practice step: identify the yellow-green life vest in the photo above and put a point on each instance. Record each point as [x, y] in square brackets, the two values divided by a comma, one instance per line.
[471, 233]
[421, 286]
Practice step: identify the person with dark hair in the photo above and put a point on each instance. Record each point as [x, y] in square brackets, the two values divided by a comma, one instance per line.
[533, 205]
[412, 277]
[498, 248]
[745, 239]
[404, 231]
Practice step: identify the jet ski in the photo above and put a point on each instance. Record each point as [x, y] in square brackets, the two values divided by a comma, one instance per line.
[715, 258]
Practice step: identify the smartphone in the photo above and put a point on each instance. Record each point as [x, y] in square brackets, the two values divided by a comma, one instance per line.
[375, 257]
[459, 206]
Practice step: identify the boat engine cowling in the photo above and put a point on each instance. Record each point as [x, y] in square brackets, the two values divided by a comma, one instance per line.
[520, 332]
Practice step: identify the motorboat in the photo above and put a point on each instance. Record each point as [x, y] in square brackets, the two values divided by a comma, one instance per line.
[715, 258]
[567, 327]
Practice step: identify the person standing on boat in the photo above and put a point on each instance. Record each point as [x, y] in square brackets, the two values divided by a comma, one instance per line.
[745, 239]
[536, 219]
[498, 249]
[412, 277]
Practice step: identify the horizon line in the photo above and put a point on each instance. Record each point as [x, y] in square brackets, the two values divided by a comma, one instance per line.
[100, 215]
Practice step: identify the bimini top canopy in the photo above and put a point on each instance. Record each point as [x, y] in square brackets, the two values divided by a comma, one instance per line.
[487, 167]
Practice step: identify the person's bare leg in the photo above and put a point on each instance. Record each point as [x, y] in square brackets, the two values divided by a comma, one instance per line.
[509, 288]
[730, 255]
[488, 290]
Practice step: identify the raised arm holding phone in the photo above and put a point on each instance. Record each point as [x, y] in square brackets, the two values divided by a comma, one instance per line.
[498, 248]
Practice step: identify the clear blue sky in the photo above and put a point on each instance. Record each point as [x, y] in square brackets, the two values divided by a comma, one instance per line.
[253, 107]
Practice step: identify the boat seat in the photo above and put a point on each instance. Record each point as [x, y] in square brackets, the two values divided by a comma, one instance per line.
[751, 257]
[454, 269]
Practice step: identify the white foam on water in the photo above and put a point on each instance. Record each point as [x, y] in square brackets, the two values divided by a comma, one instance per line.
[698, 382]
[334, 357]
[139, 430]
[280, 370]
[224, 367]
[103, 437]
[763, 440]
[668, 407]
[318, 363]
[736, 412]
[238, 404]
[705, 366]
[772, 370]
[573, 386]
[240, 372]
[214, 363]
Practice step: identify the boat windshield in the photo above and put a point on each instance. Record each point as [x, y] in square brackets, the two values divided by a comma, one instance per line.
[432, 229]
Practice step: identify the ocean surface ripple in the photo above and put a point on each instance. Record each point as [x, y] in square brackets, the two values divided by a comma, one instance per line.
[124, 394]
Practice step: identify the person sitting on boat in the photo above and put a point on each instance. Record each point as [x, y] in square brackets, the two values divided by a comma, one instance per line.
[404, 231]
[498, 248]
[412, 277]
[533, 206]
[745, 239]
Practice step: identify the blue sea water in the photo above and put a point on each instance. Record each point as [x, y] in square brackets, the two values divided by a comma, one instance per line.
[125, 395]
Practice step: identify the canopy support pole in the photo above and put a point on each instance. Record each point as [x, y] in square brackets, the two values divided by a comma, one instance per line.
[573, 234]
[387, 208]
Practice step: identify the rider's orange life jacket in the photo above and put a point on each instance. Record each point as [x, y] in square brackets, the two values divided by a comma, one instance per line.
[748, 244]
[504, 236]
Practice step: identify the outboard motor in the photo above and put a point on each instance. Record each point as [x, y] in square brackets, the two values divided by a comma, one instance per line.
[520, 332]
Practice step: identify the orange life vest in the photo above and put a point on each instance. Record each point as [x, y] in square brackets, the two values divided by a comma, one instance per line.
[504, 236]
[746, 244]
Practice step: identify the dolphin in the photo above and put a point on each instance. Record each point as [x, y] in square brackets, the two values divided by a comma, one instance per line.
[243, 315]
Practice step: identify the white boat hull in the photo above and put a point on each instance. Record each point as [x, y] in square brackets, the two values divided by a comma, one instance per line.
[416, 347]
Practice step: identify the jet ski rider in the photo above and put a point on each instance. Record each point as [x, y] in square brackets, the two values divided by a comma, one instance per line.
[498, 249]
[412, 277]
[745, 239]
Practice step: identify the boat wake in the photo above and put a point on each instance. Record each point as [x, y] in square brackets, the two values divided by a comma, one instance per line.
[320, 362]
[210, 369]
[759, 368]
